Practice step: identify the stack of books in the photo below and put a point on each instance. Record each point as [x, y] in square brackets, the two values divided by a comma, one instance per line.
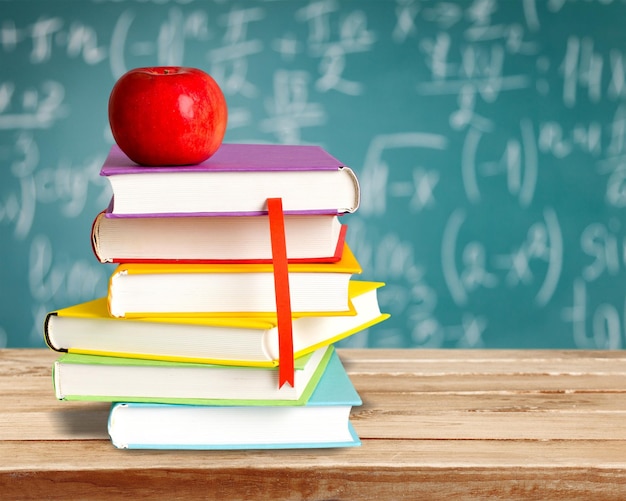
[188, 345]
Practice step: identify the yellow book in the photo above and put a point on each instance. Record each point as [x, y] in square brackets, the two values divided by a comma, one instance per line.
[182, 289]
[87, 328]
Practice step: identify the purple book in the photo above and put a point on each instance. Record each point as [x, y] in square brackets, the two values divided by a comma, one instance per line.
[238, 179]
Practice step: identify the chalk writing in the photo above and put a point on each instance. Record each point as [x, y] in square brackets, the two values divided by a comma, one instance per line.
[48, 34]
[517, 164]
[63, 184]
[375, 174]
[543, 244]
[488, 136]
[32, 108]
[51, 277]
[290, 110]
[606, 248]
[601, 328]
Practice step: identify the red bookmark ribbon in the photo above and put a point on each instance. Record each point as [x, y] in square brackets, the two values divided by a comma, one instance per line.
[281, 289]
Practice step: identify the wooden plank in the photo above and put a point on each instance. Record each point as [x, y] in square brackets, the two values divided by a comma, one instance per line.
[88, 455]
[500, 426]
[62, 423]
[42, 388]
[379, 423]
[402, 419]
[26, 361]
[466, 470]
[388, 415]
[438, 402]
[486, 366]
[31, 368]
[496, 401]
[409, 355]
[488, 383]
[410, 383]
[29, 363]
[353, 483]
[389, 422]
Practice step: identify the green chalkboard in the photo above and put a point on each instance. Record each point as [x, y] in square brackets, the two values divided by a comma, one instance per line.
[489, 138]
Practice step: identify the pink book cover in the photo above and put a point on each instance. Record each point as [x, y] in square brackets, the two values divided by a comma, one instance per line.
[234, 157]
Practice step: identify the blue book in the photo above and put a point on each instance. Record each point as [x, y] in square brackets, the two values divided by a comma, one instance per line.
[323, 422]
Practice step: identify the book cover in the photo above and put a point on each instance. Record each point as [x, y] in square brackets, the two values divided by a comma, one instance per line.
[118, 379]
[88, 328]
[322, 422]
[237, 179]
[183, 289]
[213, 239]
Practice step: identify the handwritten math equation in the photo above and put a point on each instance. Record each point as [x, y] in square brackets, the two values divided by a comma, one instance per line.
[489, 138]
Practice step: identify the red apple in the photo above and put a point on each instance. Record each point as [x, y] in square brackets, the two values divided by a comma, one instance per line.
[167, 115]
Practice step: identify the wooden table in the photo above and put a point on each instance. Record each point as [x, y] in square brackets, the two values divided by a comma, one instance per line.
[435, 424]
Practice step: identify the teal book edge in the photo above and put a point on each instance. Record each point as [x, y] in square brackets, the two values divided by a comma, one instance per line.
[334, 388]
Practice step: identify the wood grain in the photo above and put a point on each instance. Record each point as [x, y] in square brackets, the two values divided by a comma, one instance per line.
[435, 424]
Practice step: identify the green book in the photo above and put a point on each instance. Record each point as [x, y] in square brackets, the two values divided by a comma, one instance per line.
[113, 379]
